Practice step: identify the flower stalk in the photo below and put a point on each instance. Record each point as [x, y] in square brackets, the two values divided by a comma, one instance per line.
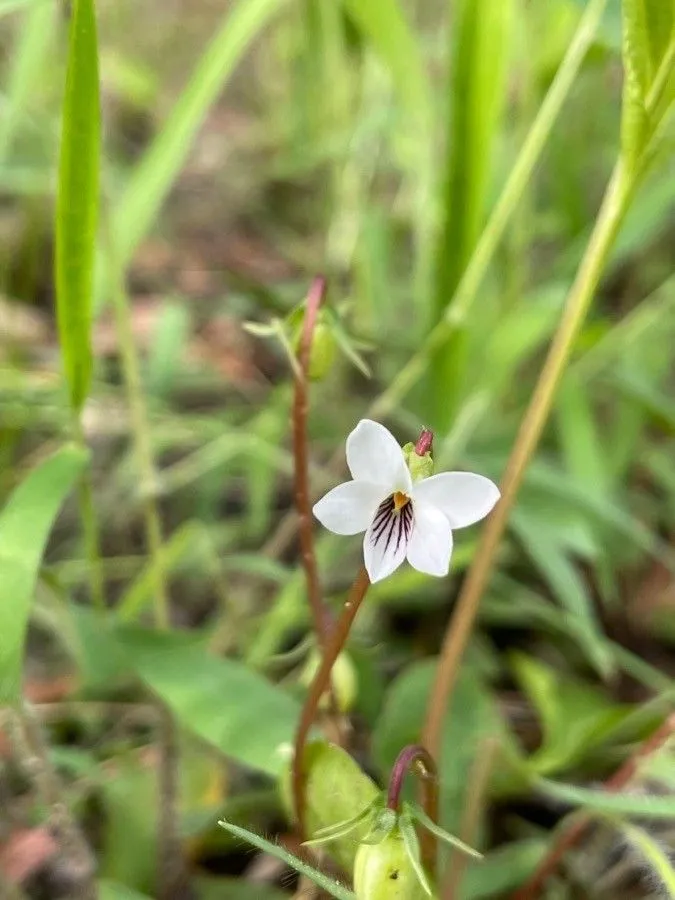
[414, 758]
[337, 639]
[578, 301]
[303, 504]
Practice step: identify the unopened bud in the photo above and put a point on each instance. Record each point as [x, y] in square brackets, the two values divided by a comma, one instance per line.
[421, 464]
[322, 352]
[424, 442]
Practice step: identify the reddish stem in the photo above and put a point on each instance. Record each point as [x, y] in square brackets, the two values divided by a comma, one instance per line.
[573, 833]
[337, 638]
[414, 755]
[303, 503]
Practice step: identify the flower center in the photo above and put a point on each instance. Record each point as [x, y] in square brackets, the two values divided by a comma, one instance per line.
[400, 500]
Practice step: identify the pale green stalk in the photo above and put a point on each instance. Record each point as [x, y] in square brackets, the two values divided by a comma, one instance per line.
[467, 290]
[171, 872]
[143, 444]
[609, 219]
[90, 527]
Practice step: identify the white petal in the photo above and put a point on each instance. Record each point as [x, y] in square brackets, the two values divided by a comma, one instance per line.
[350, 507]
[464, 498]
[430, 546]
[386, 541]
[374, 455]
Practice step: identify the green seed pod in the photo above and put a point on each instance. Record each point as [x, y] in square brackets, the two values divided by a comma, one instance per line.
[343, 678]
[384, 871]
[323, 352]
[337, 790]
[324, 346]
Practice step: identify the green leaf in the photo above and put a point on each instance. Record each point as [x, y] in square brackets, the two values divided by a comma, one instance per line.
[113, 890]
[220, 700]
[503, 870]
[130, 797]
[151, 181]
[31, 46]
[482, 36]
[645, 806]
[337, 791]
[419, 814]
[384, 24]
[472, 718]
[77, 202]
[574, 718]
[412, 846]
[569, 589]
[659, 863]
[649, 64]
[25, 523]
[212, 888]
[332, 887]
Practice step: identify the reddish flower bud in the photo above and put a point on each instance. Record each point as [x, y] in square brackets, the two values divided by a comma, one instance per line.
[424, 442]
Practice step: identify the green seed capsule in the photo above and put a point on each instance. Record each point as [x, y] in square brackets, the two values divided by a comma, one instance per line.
[384, 872]
[322, 353]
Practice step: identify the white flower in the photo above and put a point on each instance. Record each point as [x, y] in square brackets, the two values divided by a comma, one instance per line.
[401, 518]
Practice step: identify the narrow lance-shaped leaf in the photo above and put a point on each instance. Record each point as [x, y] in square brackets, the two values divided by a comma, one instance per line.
[482, 36]
[151, 181]
[25, 523]
[77, 202]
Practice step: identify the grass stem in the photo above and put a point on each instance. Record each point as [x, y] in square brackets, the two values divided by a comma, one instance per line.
[577, 304]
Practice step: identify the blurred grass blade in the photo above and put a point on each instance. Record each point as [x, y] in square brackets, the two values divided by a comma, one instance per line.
[77, 201]
[457, 312]
[332, 887]
[29, 58]
[646, 806]
[654, 855]
[384, 24]
[151, 181]
[25, 523]
[649, 64]
[478, 87]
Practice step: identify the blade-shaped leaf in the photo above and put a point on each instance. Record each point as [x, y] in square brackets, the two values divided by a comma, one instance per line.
[152, 179]
[655, 855]
[384, 25]
[220, 700]
[481, 44]
[77, 202]
[25, 523]
[644, 806]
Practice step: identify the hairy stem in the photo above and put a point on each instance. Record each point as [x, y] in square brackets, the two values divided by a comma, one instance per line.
[336, 642]
[303, 503]
[30, 742]
[575, 831]
[578, 301]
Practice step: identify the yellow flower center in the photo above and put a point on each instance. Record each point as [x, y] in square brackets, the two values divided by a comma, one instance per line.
[400, 500]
